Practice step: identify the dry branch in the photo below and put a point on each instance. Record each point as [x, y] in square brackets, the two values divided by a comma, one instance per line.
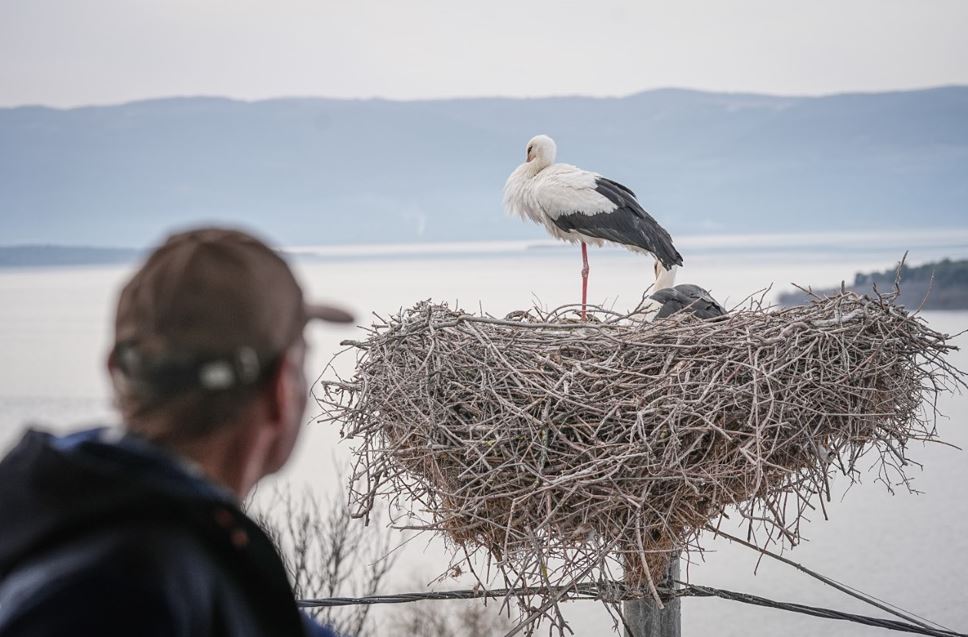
[571, 452]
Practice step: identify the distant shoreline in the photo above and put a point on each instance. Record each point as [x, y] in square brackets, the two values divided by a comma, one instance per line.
[954, 241]
[26, 256]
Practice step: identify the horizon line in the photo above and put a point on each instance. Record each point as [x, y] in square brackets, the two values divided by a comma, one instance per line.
[559, 96]
[711, 238]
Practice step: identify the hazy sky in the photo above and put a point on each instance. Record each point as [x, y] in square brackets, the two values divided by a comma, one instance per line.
[70, 52]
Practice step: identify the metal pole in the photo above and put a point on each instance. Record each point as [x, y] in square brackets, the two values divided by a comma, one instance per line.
[645, 619]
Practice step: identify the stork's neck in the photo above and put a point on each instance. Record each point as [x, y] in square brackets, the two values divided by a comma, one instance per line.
[664, 278]
[535, 166]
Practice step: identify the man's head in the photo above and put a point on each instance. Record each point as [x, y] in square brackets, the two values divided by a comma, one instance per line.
[208, 337]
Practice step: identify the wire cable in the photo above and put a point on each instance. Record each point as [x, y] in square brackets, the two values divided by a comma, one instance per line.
[867, 598]
[816, 611]
[596, 591]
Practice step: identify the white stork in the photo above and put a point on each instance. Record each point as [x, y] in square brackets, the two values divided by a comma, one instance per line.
[583, 207]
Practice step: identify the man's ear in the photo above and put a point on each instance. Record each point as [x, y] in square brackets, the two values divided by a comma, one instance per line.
[114, 373]
[111, 362]
[278, 390]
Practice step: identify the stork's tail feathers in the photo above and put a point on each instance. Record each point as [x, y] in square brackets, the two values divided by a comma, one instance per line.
[667, 254]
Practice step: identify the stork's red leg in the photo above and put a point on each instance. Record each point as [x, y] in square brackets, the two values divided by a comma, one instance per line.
[584, 280]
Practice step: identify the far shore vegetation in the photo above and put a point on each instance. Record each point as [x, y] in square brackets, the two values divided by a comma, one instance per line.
[941, 285]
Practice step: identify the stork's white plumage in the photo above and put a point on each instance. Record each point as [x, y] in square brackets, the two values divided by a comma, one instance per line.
[583, 207]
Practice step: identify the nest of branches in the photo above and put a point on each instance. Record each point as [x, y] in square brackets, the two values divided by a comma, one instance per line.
[572, 452]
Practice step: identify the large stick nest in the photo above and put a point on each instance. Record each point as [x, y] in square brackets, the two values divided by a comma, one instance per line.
[573, 452]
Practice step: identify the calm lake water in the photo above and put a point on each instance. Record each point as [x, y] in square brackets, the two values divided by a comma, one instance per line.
[910, 549]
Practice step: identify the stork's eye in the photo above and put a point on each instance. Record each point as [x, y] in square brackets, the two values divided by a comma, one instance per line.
[529, 149]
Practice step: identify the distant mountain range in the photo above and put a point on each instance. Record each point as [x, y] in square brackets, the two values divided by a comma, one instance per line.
[319, 171]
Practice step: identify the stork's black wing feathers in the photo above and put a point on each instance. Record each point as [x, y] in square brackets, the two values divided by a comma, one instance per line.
[628, 224]
[616, 186]
[686, 297]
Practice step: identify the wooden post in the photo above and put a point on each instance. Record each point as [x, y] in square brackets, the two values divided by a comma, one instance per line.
[645, 619]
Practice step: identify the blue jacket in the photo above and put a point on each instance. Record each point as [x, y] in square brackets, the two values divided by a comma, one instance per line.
[117, 538]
